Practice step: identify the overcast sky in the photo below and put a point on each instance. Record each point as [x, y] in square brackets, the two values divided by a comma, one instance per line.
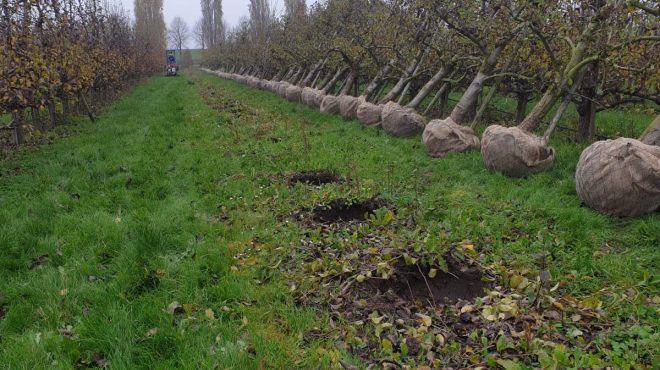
[190, 11]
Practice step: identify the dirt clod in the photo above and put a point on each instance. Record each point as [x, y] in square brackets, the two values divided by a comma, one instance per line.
[315, 178]
[39, 261]
[343, 210]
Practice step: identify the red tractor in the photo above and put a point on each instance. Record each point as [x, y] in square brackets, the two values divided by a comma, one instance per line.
[172, 67]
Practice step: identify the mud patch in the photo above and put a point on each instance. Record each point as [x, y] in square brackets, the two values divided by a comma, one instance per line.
[343, 210]
[315, 178]
[413, 283]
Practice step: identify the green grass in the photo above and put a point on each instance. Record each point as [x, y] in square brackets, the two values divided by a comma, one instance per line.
[165, 200]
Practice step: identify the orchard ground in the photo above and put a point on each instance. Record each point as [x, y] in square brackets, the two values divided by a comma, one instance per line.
[168, 235]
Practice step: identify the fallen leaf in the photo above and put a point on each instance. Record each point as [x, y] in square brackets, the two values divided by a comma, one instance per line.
[515, 281]
[552, 315]
[508, 364]
[209, 314]
[152, 332]
[467, 308]
[576, 333]
[426, 320]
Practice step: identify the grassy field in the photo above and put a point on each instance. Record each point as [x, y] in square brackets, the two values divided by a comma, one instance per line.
[169, 235]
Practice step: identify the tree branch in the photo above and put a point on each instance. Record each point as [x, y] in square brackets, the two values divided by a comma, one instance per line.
[637, 4]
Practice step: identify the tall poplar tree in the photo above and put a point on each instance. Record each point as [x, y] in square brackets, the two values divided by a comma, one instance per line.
[150, 34]
[212, 26]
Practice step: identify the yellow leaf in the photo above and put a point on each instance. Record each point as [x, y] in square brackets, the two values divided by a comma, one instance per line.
[426, 320]
[515, 281]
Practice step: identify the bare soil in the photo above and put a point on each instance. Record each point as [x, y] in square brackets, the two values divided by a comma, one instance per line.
[342, 210]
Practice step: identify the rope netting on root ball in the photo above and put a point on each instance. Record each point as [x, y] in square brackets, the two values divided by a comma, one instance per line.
[330, 104]
[293, 93]
[515, 152]
[348, 106]
[442, 137]
[620, 177]
[369, 114]
[311, 97]
[651, 135]
[281, 89]
[401, 121]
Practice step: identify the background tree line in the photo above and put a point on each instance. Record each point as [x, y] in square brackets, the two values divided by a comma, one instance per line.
[397, 49]
[61, 57]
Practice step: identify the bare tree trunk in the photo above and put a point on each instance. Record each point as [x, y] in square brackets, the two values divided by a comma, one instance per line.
[521, 105]
[17, 124]
[408, 84]
[562, 107]
[51, 114]
[279, 75]
[380, 92]
[587, 107]
[298, 77]
[437, 96]
[573, 68]
[444, 100]
[587, 112]
[493, 89]
[428, 87]
[396, 90]
[314, 71]
[322, 81]
[316, 79]
[288, 75]
[90, 113]
[379, 79]
[533, 119]
[333, 81]
[36, 119]
[350, 81]
[466, 107]
[66, 107]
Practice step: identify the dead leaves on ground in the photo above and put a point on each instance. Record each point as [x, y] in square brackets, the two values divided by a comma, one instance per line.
[352, 268]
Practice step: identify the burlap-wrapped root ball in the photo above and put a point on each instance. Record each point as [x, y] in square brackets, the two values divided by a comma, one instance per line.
[253, 82]
[281, 89]
[272, 86]
[401, 121]
[348, 106]
[311, 97]
[330, 104]
[620, 177]
[293, 93]
[442, 137]
[515, 152]
[651, 135]
[369, 114]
